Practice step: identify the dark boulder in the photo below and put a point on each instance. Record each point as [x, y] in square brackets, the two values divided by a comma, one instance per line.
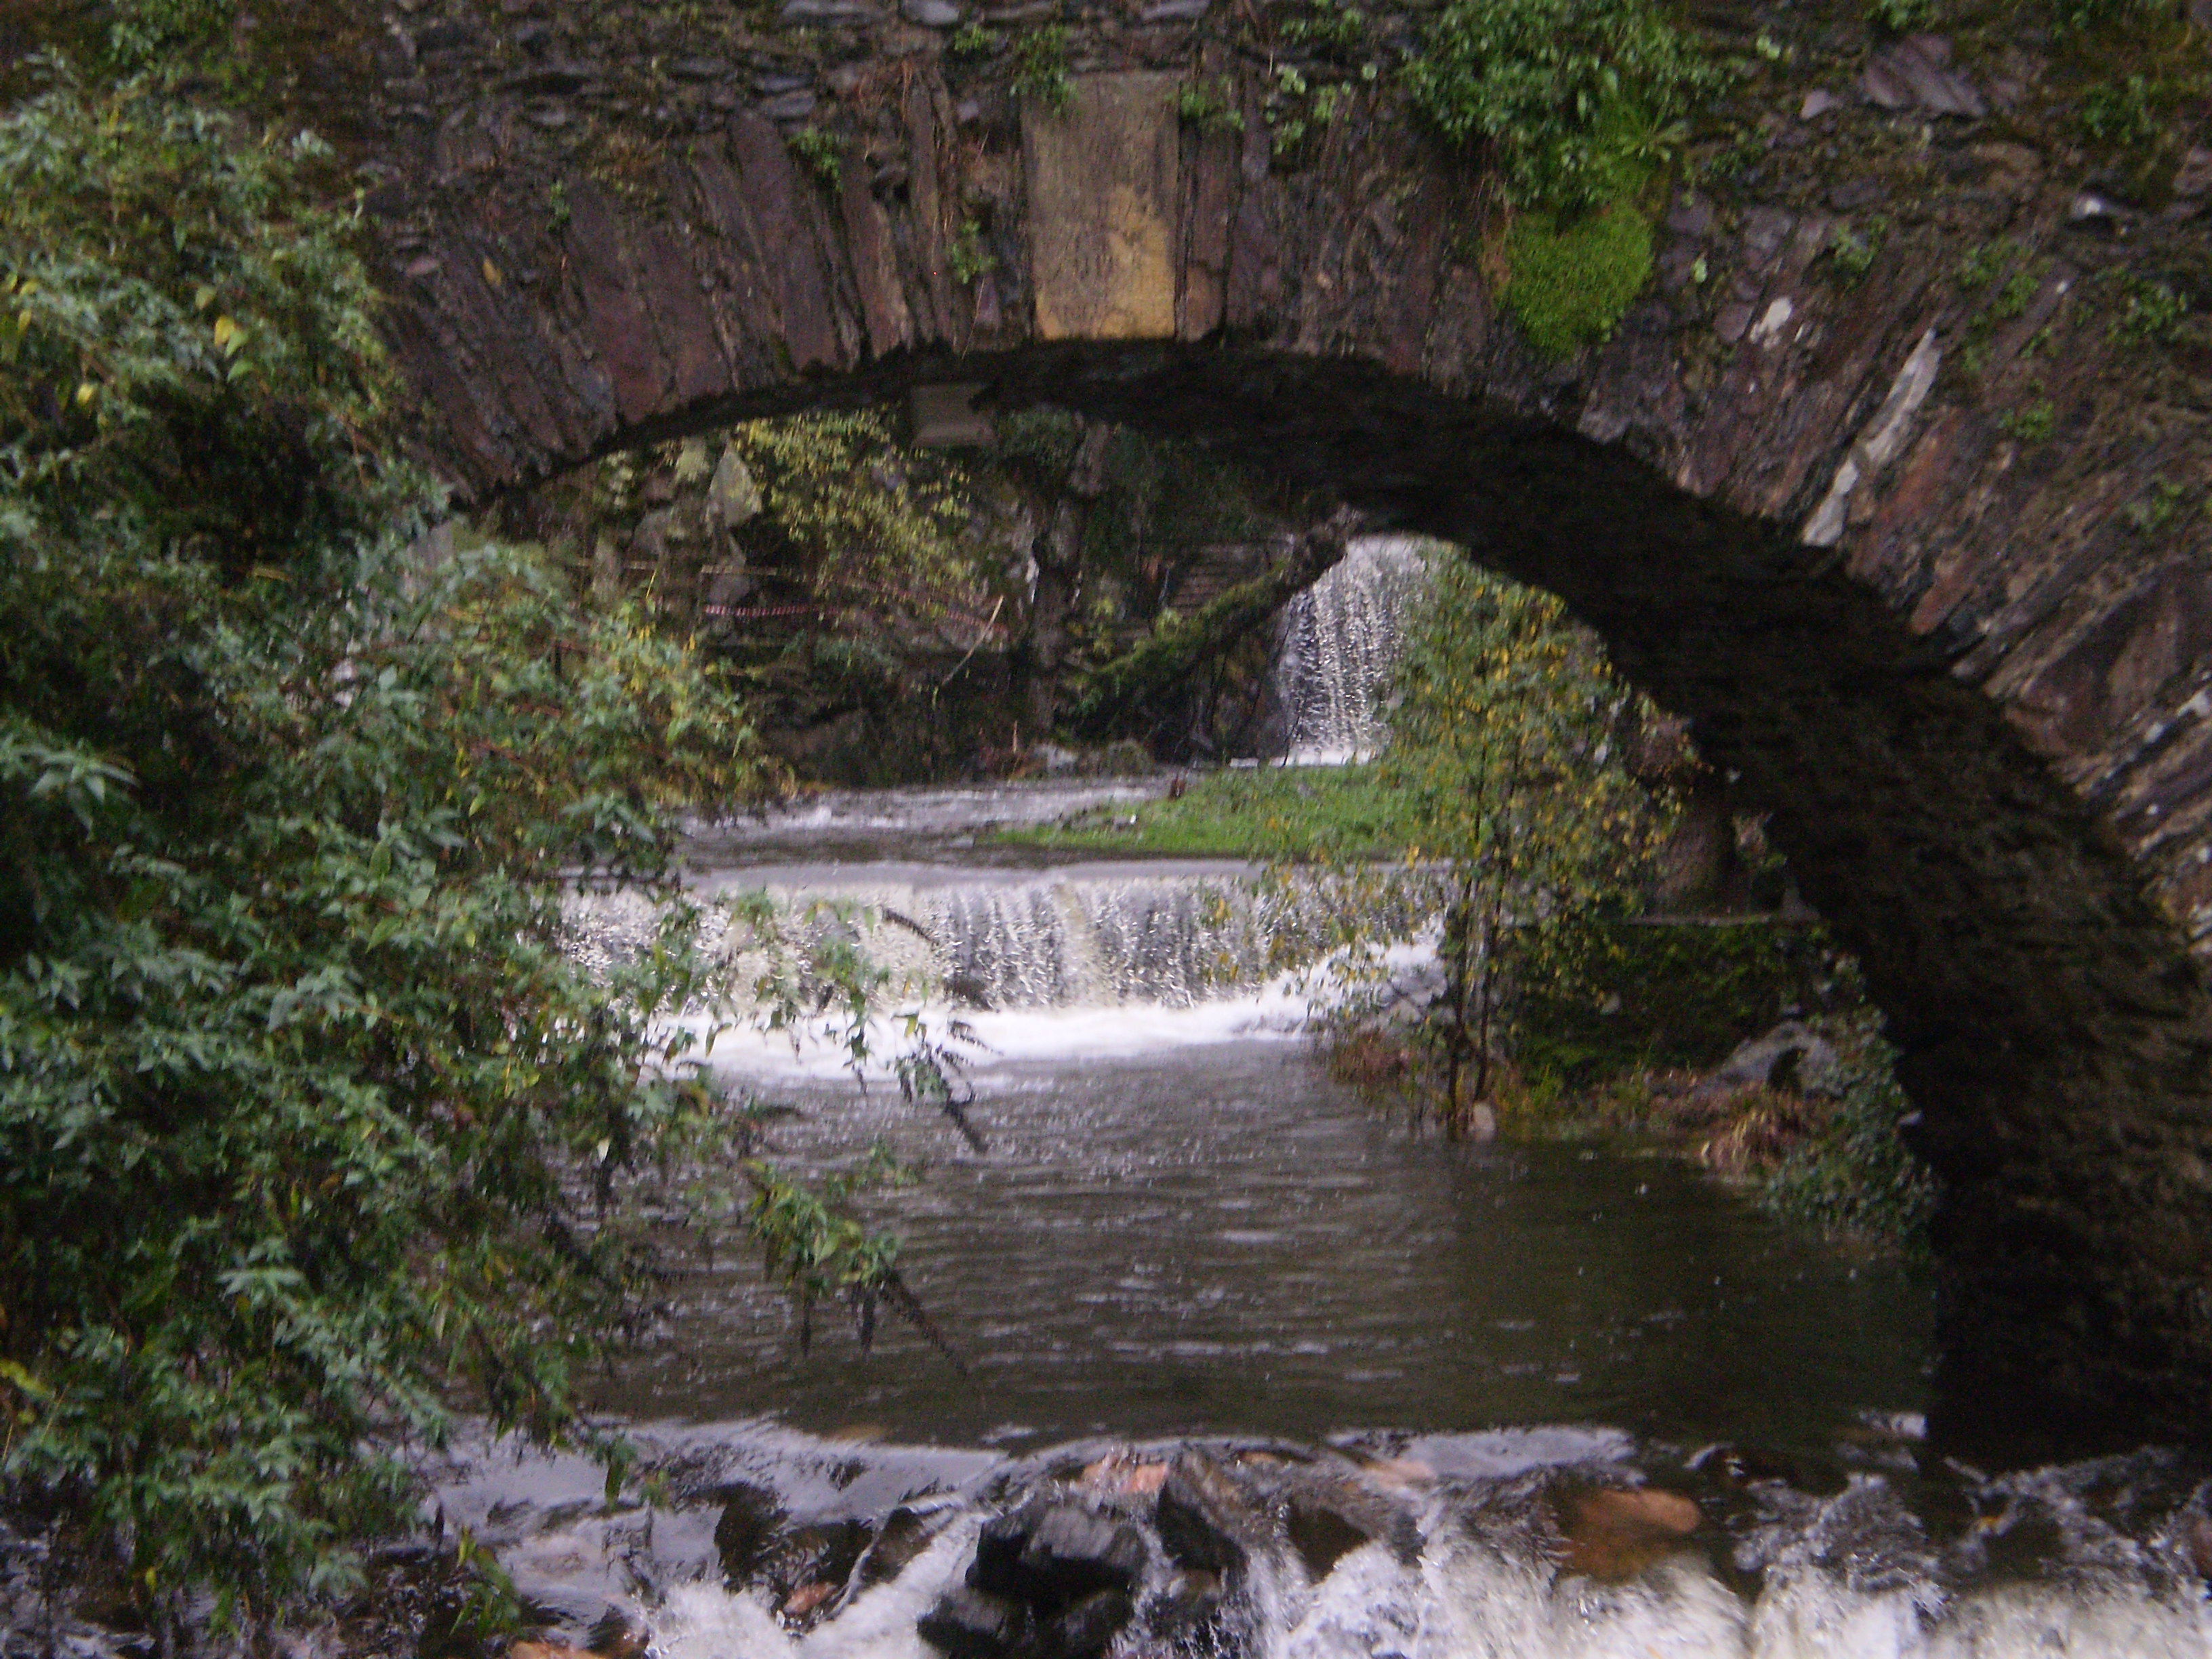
[971, 1624]
[997, 1569]
[1201, 1512]
[1051, 1554]
[1074, 1553]
[1089, 1626]
[906, 1533]
[1322, 1536]
[752, 1516]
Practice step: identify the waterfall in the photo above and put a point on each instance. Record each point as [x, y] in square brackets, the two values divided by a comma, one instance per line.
[1338, 647]
[1069, 940]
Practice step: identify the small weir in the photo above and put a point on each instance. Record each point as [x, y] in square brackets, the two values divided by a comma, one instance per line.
[1245, 1370]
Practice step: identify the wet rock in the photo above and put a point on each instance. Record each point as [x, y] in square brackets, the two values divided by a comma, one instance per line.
[752, 1516]
[1201, 1514]
[906, 1533]
[1322, 1536]
[789, 107]
[2195, 1532]
[1818, 102]
[1088, 1625]
[732, 496]
[614, 1637]
[931, 14]
[1187, 1616]
[2195, 177]
[1074, 1553]
[971, 1624]
[756, 1552]
[807, 1598]
[1791, 1056]
[970, 991]
[1612, 1534]
[1124, 1476]
[1916, 74]
[441, 36]
[551, 79]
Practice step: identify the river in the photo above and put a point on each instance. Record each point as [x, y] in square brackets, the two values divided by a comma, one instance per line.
[1425, 1399]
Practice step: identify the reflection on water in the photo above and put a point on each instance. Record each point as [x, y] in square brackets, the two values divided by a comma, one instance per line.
[1220, 1240]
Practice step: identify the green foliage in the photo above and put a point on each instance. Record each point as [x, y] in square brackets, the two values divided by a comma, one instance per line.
[876, 526]
[971, 40]
[2013, 299]
[969, 259]
[2150, 312]
[1296, 814]
[1210, 106]
[1851, 254]
[1327, 26]
[167, 36]
[821, 155]
[1039, 66]
[1578, 100]
[817, 1250]
[1853, 1172]
[1895, 17]
[1505, 752]
[2162, 504]
[2030, 423]
[2075, 18]
[2117, 114]
[307, 1116]
[1985, 259]
[1612, 995]
[1570, 284]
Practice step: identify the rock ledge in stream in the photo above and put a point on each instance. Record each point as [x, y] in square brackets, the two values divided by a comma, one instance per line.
[1054, 1581]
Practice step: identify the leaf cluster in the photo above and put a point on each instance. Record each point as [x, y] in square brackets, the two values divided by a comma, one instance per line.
[1575, 98]
[1039, 66]
[307, 1116]
[876, 525]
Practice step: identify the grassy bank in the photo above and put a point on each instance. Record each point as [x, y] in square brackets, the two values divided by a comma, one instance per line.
[1300, 813]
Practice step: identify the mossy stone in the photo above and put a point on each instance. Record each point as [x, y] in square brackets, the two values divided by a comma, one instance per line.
[1570, 284]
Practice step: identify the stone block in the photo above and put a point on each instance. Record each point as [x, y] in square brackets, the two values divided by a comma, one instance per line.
[1101, 177]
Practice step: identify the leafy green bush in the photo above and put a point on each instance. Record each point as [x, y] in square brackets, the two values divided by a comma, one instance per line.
[1504, 750]
[821, 155]
[1039, 66]
[1901, 17]
[2077, 17]
[1571, 284]
[1851, 254]
[1854, 1171]
[1613, 995]
[2117, 114]
[306, 1115]
[160, 35]
[2030, 423]
[1577, 99]
[2151, 313]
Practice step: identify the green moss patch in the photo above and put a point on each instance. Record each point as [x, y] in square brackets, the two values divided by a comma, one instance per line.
[1571, 285]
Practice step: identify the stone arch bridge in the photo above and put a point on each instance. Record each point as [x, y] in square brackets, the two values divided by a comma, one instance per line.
[1901, 546]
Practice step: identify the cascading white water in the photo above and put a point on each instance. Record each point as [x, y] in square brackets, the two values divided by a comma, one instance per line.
[1338, 645]
[1103, 937]
[1480, 1561]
